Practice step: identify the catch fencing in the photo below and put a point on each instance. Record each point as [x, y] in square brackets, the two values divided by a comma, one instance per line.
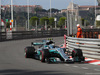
[90, 47]
[16, 35]
[91, 33]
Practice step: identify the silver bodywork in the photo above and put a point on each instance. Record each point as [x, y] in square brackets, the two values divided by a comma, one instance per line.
[65, 57]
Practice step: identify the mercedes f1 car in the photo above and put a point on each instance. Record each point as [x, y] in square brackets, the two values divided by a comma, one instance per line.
[47, 51]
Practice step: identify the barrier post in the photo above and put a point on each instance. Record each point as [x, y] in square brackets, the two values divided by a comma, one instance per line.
[65, 41]
[10, 26]
[9, 33]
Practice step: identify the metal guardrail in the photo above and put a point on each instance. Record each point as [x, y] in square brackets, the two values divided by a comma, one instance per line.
[16, 35]
[90, 47]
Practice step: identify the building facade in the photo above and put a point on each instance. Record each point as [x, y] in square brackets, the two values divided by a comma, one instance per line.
[21, 8]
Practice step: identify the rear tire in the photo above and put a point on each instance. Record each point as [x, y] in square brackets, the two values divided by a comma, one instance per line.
[29, 52]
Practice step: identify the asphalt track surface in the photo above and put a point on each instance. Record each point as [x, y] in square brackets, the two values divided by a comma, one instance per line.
[13, 62]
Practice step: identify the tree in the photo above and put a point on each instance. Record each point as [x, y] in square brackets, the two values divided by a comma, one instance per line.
[43, 19]
[33, 20]
[64, 14]
[7, 15]
[54, 10]
[37, 9]
[87, 22]
[61, 22]
[8, 24]
[82, 20]
[51, 21]
[97, 23]
[43, 10]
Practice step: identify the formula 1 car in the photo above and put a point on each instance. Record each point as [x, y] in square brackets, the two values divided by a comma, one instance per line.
[47, 51]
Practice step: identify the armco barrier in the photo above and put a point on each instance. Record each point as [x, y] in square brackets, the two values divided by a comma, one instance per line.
[90, 47]
[16, 35]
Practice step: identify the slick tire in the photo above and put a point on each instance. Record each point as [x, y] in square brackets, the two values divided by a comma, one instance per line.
[44, 54]
[29, 52]
[77, 53]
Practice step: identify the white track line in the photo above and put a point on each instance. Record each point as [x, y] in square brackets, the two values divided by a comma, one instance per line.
[89, 59]
[75, 66]
[95, 63]
[66, 64]
[84, 68]
[96, 69]
[92, 73]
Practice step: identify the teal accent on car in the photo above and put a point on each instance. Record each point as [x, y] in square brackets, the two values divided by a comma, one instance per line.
[54, 51]
[41, 57]
[40, 43]
[52, 59]
[38, 52]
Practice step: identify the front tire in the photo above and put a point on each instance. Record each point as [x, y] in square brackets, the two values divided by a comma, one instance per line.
[44, 54]
[77, 55]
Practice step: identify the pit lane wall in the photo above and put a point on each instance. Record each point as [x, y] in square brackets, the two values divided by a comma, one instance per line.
[90, 47]
[16, 35]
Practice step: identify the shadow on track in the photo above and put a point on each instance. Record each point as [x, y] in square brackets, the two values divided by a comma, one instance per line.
[26, 72]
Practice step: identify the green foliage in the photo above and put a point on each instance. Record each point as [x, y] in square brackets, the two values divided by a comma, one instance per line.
[82, 20]
[8, 25]
[43, 10]
[33, 20]
[64, 14]
[21, 16]
[87, 23]
[37, 9]
[61, 21]
[97, 23]
[6, 15]
[54, 10]
[51, 21]
[43, 19]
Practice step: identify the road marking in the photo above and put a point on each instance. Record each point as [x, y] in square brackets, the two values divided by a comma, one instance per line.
[84, 68]
[92, 61]
[66, 64]
[95, 63]
[75, 66]
[89, 59]
[96, 70]
[92, 73]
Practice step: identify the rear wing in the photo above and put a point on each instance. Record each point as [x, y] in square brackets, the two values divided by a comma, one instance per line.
[37, 43]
